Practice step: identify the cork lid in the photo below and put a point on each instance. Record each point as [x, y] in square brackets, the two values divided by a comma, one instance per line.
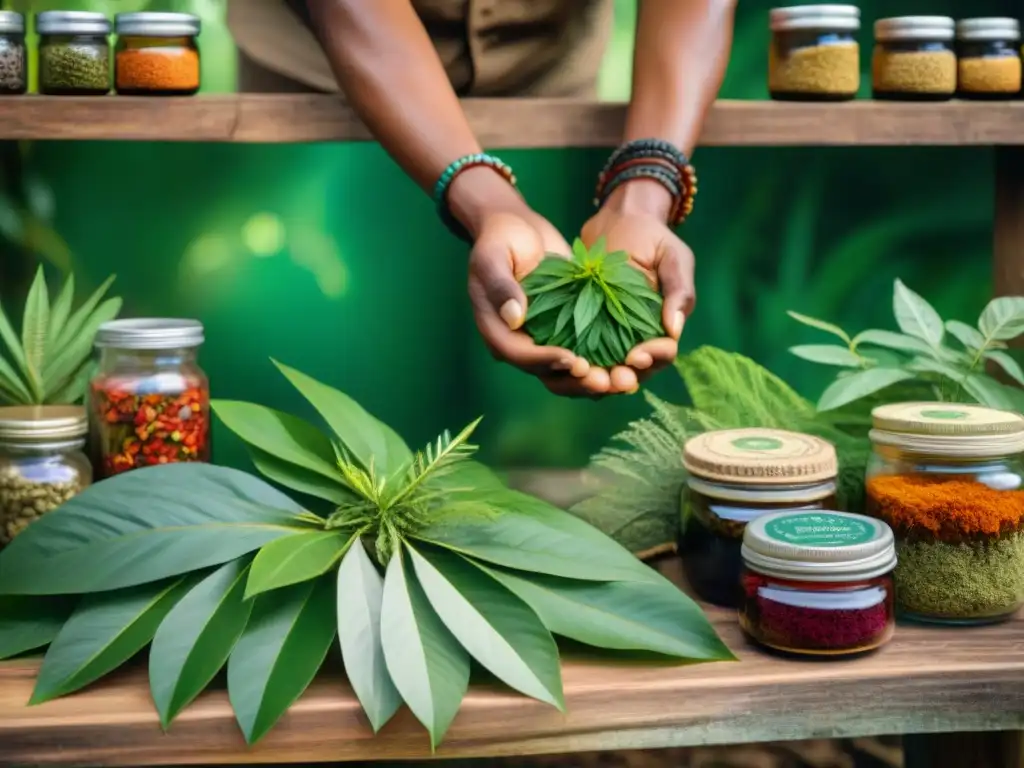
[34, 424]
[949, 429]
[760, 457]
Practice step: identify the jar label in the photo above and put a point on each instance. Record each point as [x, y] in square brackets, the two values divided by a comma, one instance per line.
[946, 415]
[820, 530]
[757, 443]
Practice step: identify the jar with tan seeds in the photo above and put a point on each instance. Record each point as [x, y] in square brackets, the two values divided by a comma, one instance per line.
[914, 58]
[989, 58]
[814, 55]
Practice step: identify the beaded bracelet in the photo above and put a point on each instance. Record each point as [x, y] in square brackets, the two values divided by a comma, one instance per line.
[662, 162]
[444, 184]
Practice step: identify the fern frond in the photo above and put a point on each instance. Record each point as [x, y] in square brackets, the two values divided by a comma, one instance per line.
[437, 460]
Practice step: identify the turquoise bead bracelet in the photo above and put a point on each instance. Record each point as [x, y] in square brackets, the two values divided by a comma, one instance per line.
[444, 183]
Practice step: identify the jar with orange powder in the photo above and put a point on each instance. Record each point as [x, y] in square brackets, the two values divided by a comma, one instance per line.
[157, 54]
[949, 480]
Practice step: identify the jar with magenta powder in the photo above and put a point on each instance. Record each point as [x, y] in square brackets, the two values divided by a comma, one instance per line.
[735, 476]
[818, 583]
[949, 480]
[149, 400]
[157, 54]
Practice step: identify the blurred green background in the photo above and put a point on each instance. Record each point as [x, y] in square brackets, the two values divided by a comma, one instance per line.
[326, 257]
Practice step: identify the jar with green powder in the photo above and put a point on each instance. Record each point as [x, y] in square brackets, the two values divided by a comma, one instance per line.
[74, 53]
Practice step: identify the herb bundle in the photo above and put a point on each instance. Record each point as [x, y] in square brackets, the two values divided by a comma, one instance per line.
[425, 561]
[594, 304]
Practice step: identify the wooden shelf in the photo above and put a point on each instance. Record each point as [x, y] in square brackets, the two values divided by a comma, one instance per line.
[506, 123]
[925, 681]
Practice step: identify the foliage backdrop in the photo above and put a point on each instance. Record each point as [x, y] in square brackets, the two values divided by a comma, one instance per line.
[326, 257]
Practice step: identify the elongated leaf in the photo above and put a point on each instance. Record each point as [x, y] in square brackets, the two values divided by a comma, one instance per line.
[298, 478]
[1003, 318]
[193, 642]
[653, 617]
[13, 343]
[28, 623]
[915, 316]
[1008, 364]
[12, 382]
[966, 335]
[821, 325]
[497, 628]
[861, 384]
[283, 647]
[294, 559]
[991, 393]
[588, 306]
[75, 386]
[827, 354]
[104, 632]
[33, 329]
[282, 435]
[360, 598]
[61, 311]
[146, 525]
[69, 360]
[900, 342]
[73, 328]
[426, 663]
[370, 441]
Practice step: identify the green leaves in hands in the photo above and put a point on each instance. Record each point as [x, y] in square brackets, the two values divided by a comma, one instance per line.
[295, 559]
[596, 304]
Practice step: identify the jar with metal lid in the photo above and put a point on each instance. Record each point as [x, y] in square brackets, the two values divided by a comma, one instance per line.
[13, 62]
[157, 54]
[813, 55]
[735, 476]
[949, 481]
[818, 583]
[914, 58]
[149, 399]
[42, 462]
[990, 58]
[74, 53]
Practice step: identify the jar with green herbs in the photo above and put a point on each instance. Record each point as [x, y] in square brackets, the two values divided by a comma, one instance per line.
[13, 62]
[74, 53]
[813, 54]
[735, 476]
[989, 58]
[949, 480]
[42, 463]
[914, 58]
[157, 54]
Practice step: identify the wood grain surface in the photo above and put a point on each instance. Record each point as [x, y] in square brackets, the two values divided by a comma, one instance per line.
[925, 681]
[502, 123]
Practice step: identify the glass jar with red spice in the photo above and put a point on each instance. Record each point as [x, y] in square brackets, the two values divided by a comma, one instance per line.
[818, 583]
[149, 400]
[157, 54]
[735, 476]
[948, 479]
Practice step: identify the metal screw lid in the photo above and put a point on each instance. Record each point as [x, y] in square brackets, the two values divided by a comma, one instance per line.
[843, 18]
[915, 28]
[72, 23]
[150, 333]
[43, 423]
[11, 22]
[990, 28]
[760, 457]
[152, 24]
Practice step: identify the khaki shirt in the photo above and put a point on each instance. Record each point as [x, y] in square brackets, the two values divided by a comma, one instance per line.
[488, 47]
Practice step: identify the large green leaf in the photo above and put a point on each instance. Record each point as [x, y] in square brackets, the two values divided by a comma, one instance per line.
[147, 525]
[370, 441]
[428, 666]
[497, 628]
[104, 632]
[196, 638]
[34, 328]
[298, 478]
[1003, 318]
[860, 384]
[283, 647]
[915, 316]
[621, 615]
[827, 354]
[1008, 364]
[294, 559]
[282, 435]
[28, 623]
[900, 342]
[360, 597]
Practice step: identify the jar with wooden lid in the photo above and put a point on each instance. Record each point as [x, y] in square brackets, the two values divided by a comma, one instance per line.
[949, 480]
[814, 55]
[74, 53]
[13, 61]
[914, 58]
[989, 58]
[42, 463]
[735, 476]
[818, 583]
[157, 54]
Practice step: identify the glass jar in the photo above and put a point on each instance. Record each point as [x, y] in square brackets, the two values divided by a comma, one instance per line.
[74, 53]
[914, 59]
[813, 55]
[990, 58]
[42, 463]
[735, 476]
[818, 583]
[157, 54]
[13, 63]
[149, 399]
[949, 481]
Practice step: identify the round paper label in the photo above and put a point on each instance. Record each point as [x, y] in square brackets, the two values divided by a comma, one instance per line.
[814, 529]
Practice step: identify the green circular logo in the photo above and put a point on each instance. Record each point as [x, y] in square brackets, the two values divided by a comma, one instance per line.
[945, 415]
[757, 443]
[814, 529]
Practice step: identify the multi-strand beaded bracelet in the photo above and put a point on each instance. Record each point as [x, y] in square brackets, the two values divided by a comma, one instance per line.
[652, 159]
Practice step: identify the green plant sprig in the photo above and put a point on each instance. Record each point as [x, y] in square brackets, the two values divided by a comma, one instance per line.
[595, 304]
